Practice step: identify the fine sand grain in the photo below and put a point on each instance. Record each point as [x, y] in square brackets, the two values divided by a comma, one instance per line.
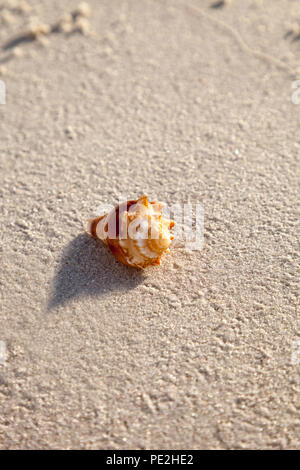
[186, 101]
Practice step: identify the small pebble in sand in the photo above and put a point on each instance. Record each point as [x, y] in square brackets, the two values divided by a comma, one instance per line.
[65, 24]
[70, 133]
[294, 30]
[65, 27]
[83, 10]
[75, 22]
[39, 30]
[17, 52]
[82, 25]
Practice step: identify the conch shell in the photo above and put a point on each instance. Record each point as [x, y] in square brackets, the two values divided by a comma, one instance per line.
[135, 231]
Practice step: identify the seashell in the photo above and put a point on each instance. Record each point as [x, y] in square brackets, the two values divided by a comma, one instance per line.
[135, 231]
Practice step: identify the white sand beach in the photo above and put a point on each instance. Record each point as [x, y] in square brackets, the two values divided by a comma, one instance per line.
[185, 101]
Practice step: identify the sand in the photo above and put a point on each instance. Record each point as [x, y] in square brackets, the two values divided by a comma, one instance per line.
[183, 104]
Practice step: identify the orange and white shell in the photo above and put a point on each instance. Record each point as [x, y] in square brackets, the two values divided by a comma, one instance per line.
[135, 231]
